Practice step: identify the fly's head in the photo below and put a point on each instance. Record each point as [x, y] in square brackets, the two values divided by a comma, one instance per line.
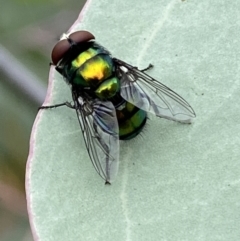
[66, 50]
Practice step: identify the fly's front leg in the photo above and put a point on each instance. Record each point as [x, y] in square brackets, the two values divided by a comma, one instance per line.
[68, 104]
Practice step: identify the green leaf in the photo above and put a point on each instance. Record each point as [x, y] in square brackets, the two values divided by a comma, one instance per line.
[176, 182]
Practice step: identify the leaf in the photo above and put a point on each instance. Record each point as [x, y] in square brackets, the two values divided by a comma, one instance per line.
[176, 182]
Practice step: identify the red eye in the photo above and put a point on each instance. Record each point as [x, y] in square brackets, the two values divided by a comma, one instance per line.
[81, 36]
[61, 48]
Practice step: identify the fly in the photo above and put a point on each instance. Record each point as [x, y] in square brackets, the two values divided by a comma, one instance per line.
[111, 98]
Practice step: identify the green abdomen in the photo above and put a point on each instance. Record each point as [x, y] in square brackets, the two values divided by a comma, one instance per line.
[131, 121]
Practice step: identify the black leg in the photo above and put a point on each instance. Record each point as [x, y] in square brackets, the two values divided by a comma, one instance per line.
[150, 66]
[68, 104]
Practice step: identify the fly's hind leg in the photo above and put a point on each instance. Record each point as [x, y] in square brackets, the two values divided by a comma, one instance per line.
[68, 104]
[150, 66]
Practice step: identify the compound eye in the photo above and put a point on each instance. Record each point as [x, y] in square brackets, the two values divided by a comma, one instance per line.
[81, 36]
[59, 50]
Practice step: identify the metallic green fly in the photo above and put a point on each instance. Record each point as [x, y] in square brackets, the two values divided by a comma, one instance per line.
[111, 98]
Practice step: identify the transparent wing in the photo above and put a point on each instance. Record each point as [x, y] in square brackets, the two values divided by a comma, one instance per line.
[150, 95]
[99, 127]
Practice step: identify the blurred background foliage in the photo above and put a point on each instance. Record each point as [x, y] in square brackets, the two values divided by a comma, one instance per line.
[28, 31]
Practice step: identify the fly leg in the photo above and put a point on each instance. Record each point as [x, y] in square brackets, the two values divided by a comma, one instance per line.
[121, 63]
[150, 66]
[68, 104]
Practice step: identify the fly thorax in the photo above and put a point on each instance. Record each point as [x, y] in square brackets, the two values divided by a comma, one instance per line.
[91, 68]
